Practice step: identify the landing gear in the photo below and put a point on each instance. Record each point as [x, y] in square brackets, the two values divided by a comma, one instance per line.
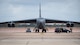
[43, 30]
[37, 30]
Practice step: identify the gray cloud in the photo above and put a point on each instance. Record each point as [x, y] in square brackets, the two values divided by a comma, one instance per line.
[25, 9]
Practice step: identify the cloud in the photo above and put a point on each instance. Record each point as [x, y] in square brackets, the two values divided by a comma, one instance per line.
[17, 12]
[26, 9]
[63, 11]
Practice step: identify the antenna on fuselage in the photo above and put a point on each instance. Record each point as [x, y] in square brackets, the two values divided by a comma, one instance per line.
[39, 10]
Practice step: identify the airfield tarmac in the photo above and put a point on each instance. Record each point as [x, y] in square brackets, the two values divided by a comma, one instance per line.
[18, 36]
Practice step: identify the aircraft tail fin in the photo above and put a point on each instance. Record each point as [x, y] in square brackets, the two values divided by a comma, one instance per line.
[39, 10]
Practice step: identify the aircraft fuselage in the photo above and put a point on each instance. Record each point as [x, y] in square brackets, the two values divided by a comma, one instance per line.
[40, 23]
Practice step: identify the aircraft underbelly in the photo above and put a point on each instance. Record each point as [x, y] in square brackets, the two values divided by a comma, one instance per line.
[40, 26]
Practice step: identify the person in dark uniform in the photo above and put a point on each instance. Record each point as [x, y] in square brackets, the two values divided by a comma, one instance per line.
[71, 29]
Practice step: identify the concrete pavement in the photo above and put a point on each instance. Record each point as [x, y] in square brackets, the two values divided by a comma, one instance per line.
[13, 37]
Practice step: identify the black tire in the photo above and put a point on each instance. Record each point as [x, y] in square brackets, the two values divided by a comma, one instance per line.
[43, 31]
[67, 32]
[36, 30]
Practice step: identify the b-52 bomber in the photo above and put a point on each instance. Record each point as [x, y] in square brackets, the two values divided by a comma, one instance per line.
[40, 22]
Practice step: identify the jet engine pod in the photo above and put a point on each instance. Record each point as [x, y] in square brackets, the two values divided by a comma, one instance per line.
[11, 25]
[70, 25]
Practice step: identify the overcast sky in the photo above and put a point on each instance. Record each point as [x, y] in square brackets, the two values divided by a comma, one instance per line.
[11, 10]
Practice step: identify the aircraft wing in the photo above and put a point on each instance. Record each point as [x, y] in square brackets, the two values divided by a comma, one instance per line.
[59, 21]
[21, 21]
